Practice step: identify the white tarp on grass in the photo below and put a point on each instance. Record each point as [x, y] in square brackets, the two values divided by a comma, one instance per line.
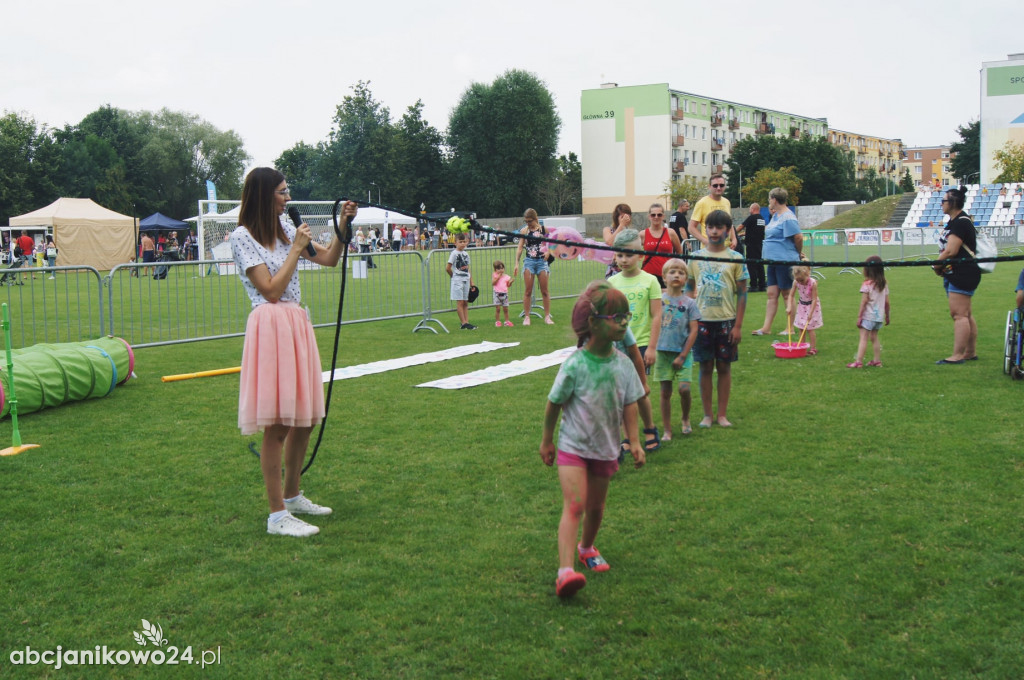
[496, 373]
[414, 360]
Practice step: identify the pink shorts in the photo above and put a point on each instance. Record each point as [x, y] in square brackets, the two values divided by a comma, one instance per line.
[598, 468]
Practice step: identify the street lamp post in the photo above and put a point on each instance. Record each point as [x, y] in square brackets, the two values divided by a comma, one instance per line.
[373, 184]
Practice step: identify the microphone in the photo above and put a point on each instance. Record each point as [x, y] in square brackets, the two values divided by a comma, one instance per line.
[293, 213]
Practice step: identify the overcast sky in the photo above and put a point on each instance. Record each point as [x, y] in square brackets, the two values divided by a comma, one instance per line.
[275, 71]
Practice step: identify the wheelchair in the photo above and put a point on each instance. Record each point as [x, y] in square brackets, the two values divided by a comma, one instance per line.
[1013, 361]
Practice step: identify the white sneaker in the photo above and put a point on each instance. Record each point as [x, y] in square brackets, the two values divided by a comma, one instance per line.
[303, 506]
[291, 526]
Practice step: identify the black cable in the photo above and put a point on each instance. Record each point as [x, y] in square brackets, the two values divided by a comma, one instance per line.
[345, 238]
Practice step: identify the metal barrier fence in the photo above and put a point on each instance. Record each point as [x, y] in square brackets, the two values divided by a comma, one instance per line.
[204, 299]
[53, 304]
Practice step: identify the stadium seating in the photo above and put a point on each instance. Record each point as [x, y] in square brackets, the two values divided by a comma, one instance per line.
[987, 208]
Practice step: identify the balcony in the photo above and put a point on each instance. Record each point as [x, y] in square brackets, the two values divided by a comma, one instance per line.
[679, 166]
[734, 123]
[677, 114]
[794, 132]
[716, 144]
[765, 129]
[678, 140]
[716, 169]
[716, 121]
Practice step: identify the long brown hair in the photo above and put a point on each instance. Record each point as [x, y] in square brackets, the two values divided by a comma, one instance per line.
[620, 210]
[257, 213]
[874, 271]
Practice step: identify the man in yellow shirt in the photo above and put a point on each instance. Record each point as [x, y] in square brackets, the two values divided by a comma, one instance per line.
[707, 205]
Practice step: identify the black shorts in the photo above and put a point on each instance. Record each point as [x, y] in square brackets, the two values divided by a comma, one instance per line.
[713, 342]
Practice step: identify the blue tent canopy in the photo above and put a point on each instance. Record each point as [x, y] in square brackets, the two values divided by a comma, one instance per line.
[159, 222]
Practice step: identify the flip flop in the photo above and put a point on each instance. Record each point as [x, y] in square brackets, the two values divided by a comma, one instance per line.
[949, 361]
[757, 332]
[687, 430]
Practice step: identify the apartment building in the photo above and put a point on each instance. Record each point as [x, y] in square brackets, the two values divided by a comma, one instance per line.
[637, 138]
[929, 166]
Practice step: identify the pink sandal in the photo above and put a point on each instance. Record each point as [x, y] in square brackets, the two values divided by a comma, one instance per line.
[855, 364]
[876, 364]
[812, 351]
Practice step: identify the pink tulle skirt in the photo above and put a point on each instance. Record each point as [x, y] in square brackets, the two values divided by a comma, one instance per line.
[281, 381]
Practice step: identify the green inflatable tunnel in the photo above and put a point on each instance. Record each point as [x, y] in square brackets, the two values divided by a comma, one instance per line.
[50, 375]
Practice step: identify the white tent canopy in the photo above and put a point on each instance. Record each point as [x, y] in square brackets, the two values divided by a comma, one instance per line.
[378, 216]
[84, 232]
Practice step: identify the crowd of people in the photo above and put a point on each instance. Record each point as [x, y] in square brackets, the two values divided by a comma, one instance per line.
[658, 313]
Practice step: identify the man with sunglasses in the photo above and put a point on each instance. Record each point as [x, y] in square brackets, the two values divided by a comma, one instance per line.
[707, 205]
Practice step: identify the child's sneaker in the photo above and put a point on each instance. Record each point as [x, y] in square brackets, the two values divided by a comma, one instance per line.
[467, 327]
[569, 583]
[592, 559]
[548, 320]
[509, 324]
[291, 526]
[300, 505]
[497, 324]
[526, 320]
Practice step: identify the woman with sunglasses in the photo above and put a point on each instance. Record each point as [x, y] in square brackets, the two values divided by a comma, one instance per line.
[622, 218]
[959, 239]
[658, 238]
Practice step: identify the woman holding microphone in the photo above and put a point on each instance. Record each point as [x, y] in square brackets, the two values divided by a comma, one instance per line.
[280, 390]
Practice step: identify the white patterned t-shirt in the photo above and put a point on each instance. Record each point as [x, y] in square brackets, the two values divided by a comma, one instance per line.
[248, 253]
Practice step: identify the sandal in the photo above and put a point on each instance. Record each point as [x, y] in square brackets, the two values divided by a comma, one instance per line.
[876, 364]
[813, 351]
[855, 364]
[653, 442]
[592, 559]
[757, 332]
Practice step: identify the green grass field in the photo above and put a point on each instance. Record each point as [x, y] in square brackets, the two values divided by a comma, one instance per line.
[853, 524]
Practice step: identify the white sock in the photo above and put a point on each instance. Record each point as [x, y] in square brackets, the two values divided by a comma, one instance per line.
[564, 570]
[293, 499]
[277, 516]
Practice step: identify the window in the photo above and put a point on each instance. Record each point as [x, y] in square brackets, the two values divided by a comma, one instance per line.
[675, 103]
[703, 132]
[917, 169]
[945, 154]
[704, 157]
[714, 159]
[917, 155]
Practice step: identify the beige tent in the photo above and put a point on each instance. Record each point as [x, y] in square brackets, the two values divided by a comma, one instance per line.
[84, 232]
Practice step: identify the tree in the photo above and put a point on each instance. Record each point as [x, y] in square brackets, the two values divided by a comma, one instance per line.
[421, 174]
[300, 164]
[688, 188]
[826, 170]
[966, 153]
[764, 180]
[146, 162]
[181, 153]
[28, 164]
[1010, 163]
[563, 193]
[359, 152]
[907, 183]
[502, 139]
